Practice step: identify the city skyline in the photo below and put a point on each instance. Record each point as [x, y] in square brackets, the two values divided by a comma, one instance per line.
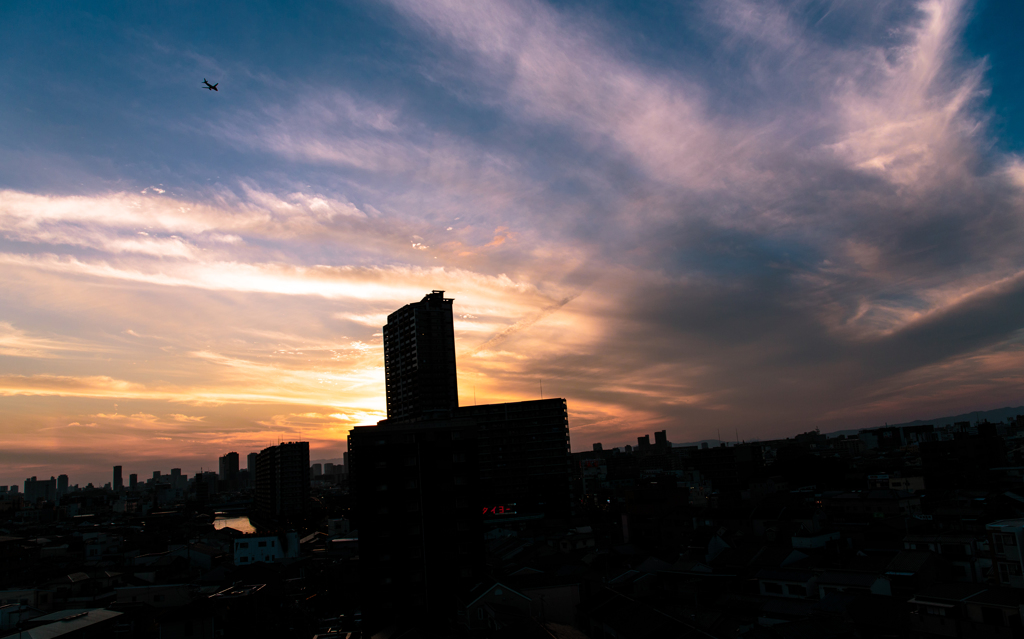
[760, 218]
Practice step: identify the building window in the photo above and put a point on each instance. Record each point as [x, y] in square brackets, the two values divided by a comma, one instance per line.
[1007, 570]
[262, 544]
[243, 560]
[243, 544]
[459, 457]
[992, 616]
[773, 588]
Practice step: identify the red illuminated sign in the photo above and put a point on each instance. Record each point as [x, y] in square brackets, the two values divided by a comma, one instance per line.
[505, 509]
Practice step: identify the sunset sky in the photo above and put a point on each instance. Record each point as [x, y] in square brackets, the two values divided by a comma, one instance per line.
[759, 217]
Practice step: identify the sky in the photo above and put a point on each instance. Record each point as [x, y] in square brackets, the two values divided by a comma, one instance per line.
[721, 216]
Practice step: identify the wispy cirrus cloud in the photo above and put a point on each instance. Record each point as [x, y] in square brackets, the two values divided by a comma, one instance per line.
[760, 215]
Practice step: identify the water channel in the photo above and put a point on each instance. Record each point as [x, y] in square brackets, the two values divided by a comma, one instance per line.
[240, 524]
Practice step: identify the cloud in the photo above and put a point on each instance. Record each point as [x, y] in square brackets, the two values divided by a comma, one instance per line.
[15, 342]
[178, 417]
[549, 69]
[783, 215]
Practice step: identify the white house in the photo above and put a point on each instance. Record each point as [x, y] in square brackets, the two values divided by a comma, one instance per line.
[250, 549]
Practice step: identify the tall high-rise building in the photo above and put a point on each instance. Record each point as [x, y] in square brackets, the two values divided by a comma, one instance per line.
[228, 466]
[62, 484]
[282, 481]
[250, 464]
[118, 479]
[229, 471]
[133, 481]
[419, 359]
[416, 498]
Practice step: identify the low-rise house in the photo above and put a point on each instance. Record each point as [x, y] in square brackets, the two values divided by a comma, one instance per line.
[488, 600]
[911, 570]
[966, 610]
[250, 549]
[788, 582]
[156, 595]
[813, 540]
[34, 597]
[963, 551]
[14, 615]
[1006, 537]
[854, 582]
[90, 622]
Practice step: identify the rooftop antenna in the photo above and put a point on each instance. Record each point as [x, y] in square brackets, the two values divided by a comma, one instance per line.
[719, 435]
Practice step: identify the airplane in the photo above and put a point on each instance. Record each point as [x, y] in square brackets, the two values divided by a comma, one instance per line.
[211, 87]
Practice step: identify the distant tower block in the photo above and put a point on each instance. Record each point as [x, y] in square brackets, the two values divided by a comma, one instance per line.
[419, 359]
[118, 479]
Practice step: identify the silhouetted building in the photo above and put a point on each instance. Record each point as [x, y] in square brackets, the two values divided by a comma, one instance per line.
[250, 464]
[419, 358]
[40, 489]
[229, 470]
[525, 457]
[424, 481]
[729, 468]
[282, 481]
[133, 481]
[62, 484]
[417, 506]
[118, 479]
[961, 462]
[202, 490]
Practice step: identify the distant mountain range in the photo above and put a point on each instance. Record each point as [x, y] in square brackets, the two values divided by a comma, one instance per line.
[994, 416]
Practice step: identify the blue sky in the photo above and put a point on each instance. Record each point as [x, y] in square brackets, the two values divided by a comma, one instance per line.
[763, 216]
